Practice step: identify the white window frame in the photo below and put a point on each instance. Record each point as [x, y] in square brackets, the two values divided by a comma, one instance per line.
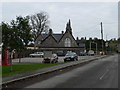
[67, 42]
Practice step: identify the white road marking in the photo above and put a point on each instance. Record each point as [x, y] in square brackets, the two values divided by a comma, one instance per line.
[104, 74]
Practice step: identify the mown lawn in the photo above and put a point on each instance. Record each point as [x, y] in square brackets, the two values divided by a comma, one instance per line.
[20, 68]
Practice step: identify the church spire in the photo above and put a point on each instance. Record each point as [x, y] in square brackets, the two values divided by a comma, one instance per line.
[69, 22]
[68, 27]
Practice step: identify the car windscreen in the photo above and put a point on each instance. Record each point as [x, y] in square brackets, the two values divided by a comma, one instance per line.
[35, 52]
[69, 54]
[40, 53]
[54, 55]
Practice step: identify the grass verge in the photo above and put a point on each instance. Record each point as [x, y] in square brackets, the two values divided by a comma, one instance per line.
[21, 68]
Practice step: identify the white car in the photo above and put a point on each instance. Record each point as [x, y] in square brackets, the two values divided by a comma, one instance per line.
[37, 54]
[52, 59]
[91, 52]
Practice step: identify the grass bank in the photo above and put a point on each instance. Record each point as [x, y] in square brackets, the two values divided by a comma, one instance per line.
[21, 68]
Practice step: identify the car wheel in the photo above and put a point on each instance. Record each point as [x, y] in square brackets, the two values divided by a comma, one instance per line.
[56, 61]
[52, 61]
[76, 59]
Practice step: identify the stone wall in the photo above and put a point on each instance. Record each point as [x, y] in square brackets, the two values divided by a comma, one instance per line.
[49, 42]
[68, 35]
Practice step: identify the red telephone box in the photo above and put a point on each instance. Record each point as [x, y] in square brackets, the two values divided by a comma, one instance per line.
[5, 57]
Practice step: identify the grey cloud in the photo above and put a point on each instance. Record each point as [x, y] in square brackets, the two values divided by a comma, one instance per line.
[85, 17]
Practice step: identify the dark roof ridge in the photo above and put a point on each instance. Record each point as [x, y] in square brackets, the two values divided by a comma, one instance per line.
[48, 36]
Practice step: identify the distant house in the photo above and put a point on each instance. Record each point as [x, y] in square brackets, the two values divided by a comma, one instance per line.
[59, 41]
[81, 42]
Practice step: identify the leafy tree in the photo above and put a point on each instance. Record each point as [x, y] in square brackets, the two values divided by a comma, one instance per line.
[113, 44]
[15, 40]
[6, 30]
[24, 29]
[17, 35]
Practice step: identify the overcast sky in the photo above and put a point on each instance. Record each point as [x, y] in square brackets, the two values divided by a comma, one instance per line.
[85, 16]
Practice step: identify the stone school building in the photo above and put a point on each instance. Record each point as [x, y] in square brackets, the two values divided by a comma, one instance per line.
[63, 41]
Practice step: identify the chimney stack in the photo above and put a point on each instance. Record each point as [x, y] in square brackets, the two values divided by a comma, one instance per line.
[62, 32]
[77, 38]
[50, 31]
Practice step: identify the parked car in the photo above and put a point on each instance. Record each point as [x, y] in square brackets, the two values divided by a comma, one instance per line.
[82, 52]
[71, 56]
[91, 52]
[60, 53]
[37, 54]
[52, 59]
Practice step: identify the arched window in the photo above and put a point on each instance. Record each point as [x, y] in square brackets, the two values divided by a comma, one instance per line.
[67, 42]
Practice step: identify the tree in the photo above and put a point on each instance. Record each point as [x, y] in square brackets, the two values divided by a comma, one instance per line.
[113, 43]
[17, 35]
[15, 39]
[6, 30]
[24, 29]
[39, 23]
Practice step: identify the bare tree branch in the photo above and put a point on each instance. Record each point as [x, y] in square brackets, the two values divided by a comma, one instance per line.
[39, 23]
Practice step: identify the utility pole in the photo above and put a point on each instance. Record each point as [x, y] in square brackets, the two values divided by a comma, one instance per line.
[102, 37]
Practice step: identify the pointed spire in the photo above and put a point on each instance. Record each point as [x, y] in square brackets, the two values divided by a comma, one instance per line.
[69, 22]
[68, 27]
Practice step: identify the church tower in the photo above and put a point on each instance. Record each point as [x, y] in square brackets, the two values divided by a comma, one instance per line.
[68, 27]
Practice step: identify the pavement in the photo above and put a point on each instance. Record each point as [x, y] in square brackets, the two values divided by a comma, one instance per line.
[30, 74]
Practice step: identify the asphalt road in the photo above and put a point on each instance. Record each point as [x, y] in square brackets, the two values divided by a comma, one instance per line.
[101, 73]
